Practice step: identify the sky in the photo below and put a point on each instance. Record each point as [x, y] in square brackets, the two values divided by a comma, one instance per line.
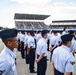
[58, 9]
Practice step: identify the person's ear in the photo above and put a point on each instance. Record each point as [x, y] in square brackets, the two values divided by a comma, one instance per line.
[9, 43]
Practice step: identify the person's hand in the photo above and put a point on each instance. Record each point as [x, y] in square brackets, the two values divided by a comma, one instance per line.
[35, 59]
[27, 52]
[73, 51]
[50, 49]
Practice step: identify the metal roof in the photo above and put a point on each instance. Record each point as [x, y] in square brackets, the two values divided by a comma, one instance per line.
[60, 21]
[30, 16]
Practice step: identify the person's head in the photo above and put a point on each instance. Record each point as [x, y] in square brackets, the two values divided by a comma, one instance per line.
[75, 33]
[8, 37]
[11, 42]
[23, 32]
[67, 39]
[28, 32]
[55, 33]
[39, 32]
[44, 34]
[32, 33]
[67, 43]
[49, 32]
[60, 32]
[71, 32]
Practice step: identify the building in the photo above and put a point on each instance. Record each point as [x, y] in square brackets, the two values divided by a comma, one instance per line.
[30, 21]
[60, 24]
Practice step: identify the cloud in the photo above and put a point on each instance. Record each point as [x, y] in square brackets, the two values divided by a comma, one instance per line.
[7, 18]
[59, 4]
[36, 2]
[57, 10]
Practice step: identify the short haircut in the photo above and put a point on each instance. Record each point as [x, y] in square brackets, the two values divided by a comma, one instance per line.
[42, 35]
[75, 32]
[5, 41]
[31, 34]
[65, 42]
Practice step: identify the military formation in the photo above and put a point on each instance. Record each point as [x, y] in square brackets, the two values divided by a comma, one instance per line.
[34, 47]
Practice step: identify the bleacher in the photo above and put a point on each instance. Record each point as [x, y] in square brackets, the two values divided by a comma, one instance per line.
[60, 24]
[37, 23]
[30, 25]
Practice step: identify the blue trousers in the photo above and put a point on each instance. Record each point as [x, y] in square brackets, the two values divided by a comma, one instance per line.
[59, 73]
[31, 60]
[42, 66]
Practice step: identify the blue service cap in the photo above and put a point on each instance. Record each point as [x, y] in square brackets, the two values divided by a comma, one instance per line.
[8, 33]
[31, 31]
[71, 31]
[54, 31]
[39, 31]
[67, 37]
[44, 32]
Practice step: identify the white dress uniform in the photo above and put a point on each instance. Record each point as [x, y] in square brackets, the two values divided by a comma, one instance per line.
[31, 42]
[48, 40]
[18, 36]
[53, 40]
[26, 39]
[7, 62]
[53, 44]
[35, 36]
[26, 49]
[15, 51]
[49, 36]
[73, 46]
[38, 37]
[64, 58]
[42, 64]
[64, 32]
[59, 38]
[42, 47]
[22, 37]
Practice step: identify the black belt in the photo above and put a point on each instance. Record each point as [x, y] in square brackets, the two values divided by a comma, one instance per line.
[33, 48]
[57, 72]
[39, 56]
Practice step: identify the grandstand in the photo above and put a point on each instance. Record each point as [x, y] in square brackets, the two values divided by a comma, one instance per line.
[30, 21]
[69, 24]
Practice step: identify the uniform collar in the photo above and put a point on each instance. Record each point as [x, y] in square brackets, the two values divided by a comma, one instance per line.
[44, 39]
[31, 36]
[66, 47]
[11, 53]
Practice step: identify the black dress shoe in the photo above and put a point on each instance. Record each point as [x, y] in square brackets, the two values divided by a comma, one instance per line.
[33, 72]
[23, 57]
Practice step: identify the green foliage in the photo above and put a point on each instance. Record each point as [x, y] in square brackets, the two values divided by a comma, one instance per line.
[3, 28]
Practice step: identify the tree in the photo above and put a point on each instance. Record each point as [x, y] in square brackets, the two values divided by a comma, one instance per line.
[3, 28]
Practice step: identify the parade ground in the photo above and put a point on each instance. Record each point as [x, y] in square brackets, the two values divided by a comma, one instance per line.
[23, 68]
